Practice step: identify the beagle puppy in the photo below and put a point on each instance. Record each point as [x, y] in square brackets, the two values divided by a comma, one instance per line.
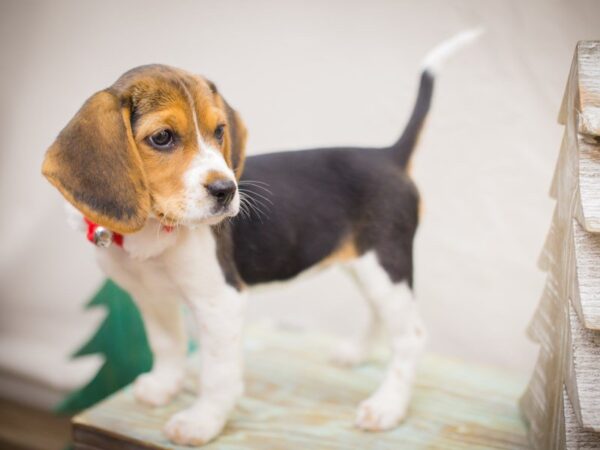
[156, 171]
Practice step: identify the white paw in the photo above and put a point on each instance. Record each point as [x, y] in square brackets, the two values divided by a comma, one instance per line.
[195, 426]
[157, 388]
[348, 354]
[381, 412]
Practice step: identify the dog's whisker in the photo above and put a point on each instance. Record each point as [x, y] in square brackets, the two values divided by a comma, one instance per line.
[259, 212]
[244, 210]
[268, 191]
[264, 186]
[257, 186]
[254, 181]
[249, 207]
[250, 202]
[263, 197]
[244, 206]
[250, 193]
[258, 202]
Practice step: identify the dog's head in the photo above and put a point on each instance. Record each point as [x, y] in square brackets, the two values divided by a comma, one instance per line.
[161, 142]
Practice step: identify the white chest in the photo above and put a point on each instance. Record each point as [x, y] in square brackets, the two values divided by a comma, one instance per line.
[183, 262]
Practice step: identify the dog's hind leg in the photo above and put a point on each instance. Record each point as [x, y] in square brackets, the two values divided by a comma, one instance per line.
[397, 309]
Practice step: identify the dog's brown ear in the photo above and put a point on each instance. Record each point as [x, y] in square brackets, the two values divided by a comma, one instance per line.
[237, 134]
[95, 164]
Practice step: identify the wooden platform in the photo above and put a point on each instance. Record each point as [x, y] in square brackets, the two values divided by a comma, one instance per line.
[26, 428]
[297, 400]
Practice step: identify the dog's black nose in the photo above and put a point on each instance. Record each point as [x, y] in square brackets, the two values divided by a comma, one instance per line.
[222, 190]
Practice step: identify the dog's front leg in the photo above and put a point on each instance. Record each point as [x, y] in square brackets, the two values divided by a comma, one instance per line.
[220, 324]
[163, 321]
[160, 306]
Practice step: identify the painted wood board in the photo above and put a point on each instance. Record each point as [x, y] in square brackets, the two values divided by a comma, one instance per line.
[295, 399]
[563, 397]
[540, 404]
[582, 131]
[575, 437]
[579, 159]
[584, 79]
[548, 255]
[583, 373]
[586, 277]
[588, 80]
[588, 213]
[577, 248]
[571, 259]
[569, 352]
[558, 175]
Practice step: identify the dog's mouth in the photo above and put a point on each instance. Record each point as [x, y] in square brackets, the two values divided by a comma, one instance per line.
[229, 210]
[167, 220]
[216, 216]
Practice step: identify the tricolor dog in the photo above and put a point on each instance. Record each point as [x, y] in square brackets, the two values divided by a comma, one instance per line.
[155, 167]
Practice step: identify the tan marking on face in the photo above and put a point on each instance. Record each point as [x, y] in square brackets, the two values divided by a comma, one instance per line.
[186, 105]
[164, 168]
[215, 175]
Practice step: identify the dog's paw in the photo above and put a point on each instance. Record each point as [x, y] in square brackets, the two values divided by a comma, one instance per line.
[158, 388]
[380, 412]
[195, 426]
[348, 354]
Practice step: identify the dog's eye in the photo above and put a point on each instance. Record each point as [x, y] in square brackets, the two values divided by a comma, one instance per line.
[162, 140]
[220, 132]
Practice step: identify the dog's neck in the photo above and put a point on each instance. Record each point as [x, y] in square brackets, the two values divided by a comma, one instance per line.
[150, 241]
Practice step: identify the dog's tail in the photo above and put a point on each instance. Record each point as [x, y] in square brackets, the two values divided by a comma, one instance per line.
[403, 148]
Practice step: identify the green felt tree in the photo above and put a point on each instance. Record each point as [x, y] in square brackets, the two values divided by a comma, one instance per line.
[121, 339]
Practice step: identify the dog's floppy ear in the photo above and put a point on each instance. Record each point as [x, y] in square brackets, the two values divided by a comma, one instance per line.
[236, 134]
[95, 164]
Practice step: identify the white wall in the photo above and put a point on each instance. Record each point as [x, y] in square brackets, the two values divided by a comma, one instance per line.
[309, 74]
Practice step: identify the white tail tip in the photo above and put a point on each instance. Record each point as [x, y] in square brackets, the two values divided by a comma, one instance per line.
[436, 57]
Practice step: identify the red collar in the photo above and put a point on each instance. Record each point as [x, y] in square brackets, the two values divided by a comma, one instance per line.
[103, 237]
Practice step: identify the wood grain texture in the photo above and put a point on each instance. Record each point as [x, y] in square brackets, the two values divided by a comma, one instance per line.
[562, 401]
[569, 353]
[583, 373]
[588, 78]
[586, 289]
[574, 436]
[589, 184]
[578, 167]
[540, 403]
[296, 399]
[576, 184]
[582, 165]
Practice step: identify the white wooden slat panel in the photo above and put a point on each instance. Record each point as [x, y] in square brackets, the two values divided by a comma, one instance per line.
[583, 376]
[587, 276]
[588, 62]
